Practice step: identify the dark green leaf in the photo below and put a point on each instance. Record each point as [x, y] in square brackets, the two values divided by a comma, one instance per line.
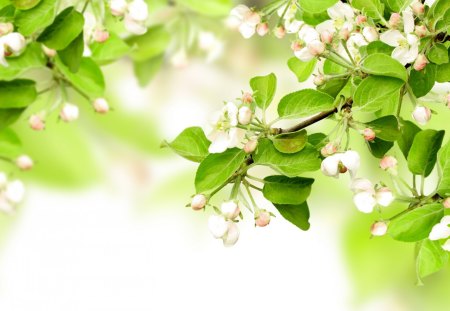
[386, 128]
[379, 147]
[438, 54]
[17, 93]
[408, 132]
[72, 54]
[280, 189]
[443, 73]
[296, 214]
[422, 81]
[444, 164]
[9, 116]
[423, 153]
[333, 86]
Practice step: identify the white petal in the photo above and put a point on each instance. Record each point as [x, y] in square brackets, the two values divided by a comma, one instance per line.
[219, 142]
[446, 246]
[341, 11]
[138, 10]
[364, 201]
[403, 55]
[218, 226]
[15, 41]
[392, 37]
[232, 235]
[3, 61]
[240, 11]
[232, 113]
[361, 184]
[134, 27]
[351, 161]
[308, 34]
[439, 231]
[15, 191]
[235, 137]
[408, 21]
[384, 197]
[330, 164]
[304, 55]
[293, 26]
[327, 25]
[445, 220]
[246, 30]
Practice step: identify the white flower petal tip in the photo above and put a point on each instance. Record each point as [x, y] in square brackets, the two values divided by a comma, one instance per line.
[232, 234]
[218, 226]
[364, 201]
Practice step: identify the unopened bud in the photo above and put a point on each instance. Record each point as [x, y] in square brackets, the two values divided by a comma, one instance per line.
[230, 209]
[15, 191]
[329, 149]
[369, 134]
[280, 32]
[446, 202]
[422, 114]
[24, 162]
[232, 234]
[388, 163]
[100, 105]
[118, 7]
[421, 31]
[36, 123]
[319, 80]
[247, 98]
[379, 228]
[316, 47]
[360, 19]
[262, 29]
[6, 28]
[326, 37]
[198, 202]
[344, 34]
[49, 52]
[218, 226]
[296, 46]
[420, 63]
[69, 112]
[100, 35]
[245, 115]
[251, 145]
[418, 8]
[395, 20]
[262, 219]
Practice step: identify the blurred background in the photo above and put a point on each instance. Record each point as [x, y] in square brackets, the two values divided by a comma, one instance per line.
[104, 225]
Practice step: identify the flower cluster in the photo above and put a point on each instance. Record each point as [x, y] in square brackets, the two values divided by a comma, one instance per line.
[11, 193]
[135, 14]
[11, 43]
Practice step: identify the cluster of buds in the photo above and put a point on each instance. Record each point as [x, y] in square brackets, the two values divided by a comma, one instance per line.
[11, 43]
[223, 226]
[134, 12]
[246, 21]
[366, 196]
[421, 114]
[11, 194]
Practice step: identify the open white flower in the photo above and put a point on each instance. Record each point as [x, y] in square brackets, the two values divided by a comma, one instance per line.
[366, 197]
[340, 163]
[221, 228]
[342, 17]
[310, 44]
[245, 20]
[441, 230]
[406, 44]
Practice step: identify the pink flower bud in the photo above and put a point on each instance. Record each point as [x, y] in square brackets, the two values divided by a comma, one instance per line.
[421, 31]
[198, 202]
[251, 145]
[422, 115]
[36, 123]
[280, 32]
[420, 63]
[100, 105]
[247, 98]
[69, 112]
[319, 80]
[263, 218]
[329, 149]
[118, 7]
[100, 36]
[296, 46]
[344, 34]
[326, 37]
[395, 20]
[262, 29]
[49, 52]
[316, 47]
[230, 209]
[418, 8]
[388, 163]
[446, 202]
[360, 19]
[379, 228]
[6, 28]
[369, 134]
[245, 115]
[24, 162]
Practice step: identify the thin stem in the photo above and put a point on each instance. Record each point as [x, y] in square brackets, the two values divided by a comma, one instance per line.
[86, 3]
[422, 185]
[414, 183]
[255, 206]
[338, 61]
[235, 190]
[411, 94]
[412, 189]
[255, 178]
[348, 52]
[288, 4]
[318, 117]
[254, 187]
[399, 107]
[343, 59]
[46, 89]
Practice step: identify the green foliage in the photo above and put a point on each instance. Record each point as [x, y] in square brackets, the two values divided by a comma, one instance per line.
[39, 17]
[10, 144]
[444, 164]
[408, 132]
[31, 58]
[378, 147]
[371, 8]
[25, 4]
[264, 88]
[290, 142]
[147, 69]
[71, 56]
[298, 214]
[430, 258]
[375, 91]
[377, 47]
[383, 65]
[304, 103]
[110, 50]
[423, 152]
[280, 189]
[151, 44]
[17, 93]
[210, 7]
[385, 128]
[191, 144]
[316, 6]
[421, 82]
[438, 54]
[302, 70]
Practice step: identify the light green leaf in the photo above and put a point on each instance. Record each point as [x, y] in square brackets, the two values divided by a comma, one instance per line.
[280, 189]
[304, 103]
[17, 93]
[443, 73]
[386, 128]
[264, 88]
[383, 65]
[430, 258]
[71, 56]
[408, 132]
[153, 43]
[9, 116]
[333, 86]
[302, 70]
[438, 54]
[377, 47]
[210, 7]
[416, 225]
[10, 144]
[331, 68]
[316, 6]
[39, 17]
[298, 215]
[147, 69]
[25, 4]
[312, 19]
[371, 8]
[290, 142]
[110, 50]
[423, 153]
[421, 82]
[444, 164]
[376, 91]
[397, 5]
[31, 58]
[191, 144]
[217, 168]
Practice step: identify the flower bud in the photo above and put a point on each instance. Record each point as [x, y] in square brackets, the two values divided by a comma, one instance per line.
[446, 202]
[14, 42]
[379, 228]
[198, 202]
[232, 234]
[369, 134]
[384, 196]
[179, 59]
[319, 80]
[370, 33]
[296, 46]
[389, 163]
[118, 7]
[218, 226]
[420, 63]
[251, 145]
[36, 123]
[418, 8]
[6, 28]
[100, 105]
[245, 115]
[329, 149]
[361, 184]
[138, 10]
[316, 47]
[69, 112]
[395, 20]
[421, 31]
[262, 29]
[280, 32]
[100, 35]
[326, 37]
[344, 34]
[230, 210]
[247, 98]
[263, 218]
[49, 52]
[15, 191]
[360, 19]
[422, 115]
[24, 162]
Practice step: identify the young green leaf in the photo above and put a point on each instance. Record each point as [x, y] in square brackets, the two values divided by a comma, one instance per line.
[280, 189]
[375, 91]
[408, 131]
[421, 82]
[302, 70]
[377, 47]
[371, 8]
[110, 50]
[383, 65]
[217, 168]
[153, 43]
[17, 93]
[25, 4]
[290, 142]
[72, 54]
[386, 128]
[443, 73]
[10, 144]
[438, 54]
[430, 258]
[331, 68]
[39, 17]
[191, 144]
[264, 88]
[316, 6]
[318, 140]
[423, 153]
[298, 215]
[64, 29]
[147, 69]
[333, 86]
[304, 103]
[9, 116]
[444, 164]
[416, 225]
[31, 58]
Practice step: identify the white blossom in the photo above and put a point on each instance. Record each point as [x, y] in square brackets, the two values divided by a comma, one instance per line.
[422, 114]
[245, 20]
[218, 226]
[230, 209]
[366, 197]
[69, 112]
[232, 234]
[310, 44]
[350, 161]
[441, 230]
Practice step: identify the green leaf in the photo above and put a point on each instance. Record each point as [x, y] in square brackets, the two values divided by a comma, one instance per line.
[39, 17]
[444, 164]
[333, 86]
[25, 4]
[318, 140]
[416, 225]
[423, 153]
[217, 168]
[371, 8]
[31, 58]
[17, 93]
[438, 54]
[9, 116]
[378, 147]
[64, 29]
[408, 131]
[213, 8]
[280, 189]
[88, 79]
[313, 19]
[422, 81]
[191, 144]
[316, 6]
[383, 65]
[298, 215]
[147, 69]
[397, 5]
[331, 68]
[71, 56]
[264, 88]
[377, 47]
[153, 43]
[110, 50]
[443, 73]
[431, 258]
[10, 144]
[386, 128]
[290, 165]
[302, 70]
[290, 142]
[304, 103]
[376, 91]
